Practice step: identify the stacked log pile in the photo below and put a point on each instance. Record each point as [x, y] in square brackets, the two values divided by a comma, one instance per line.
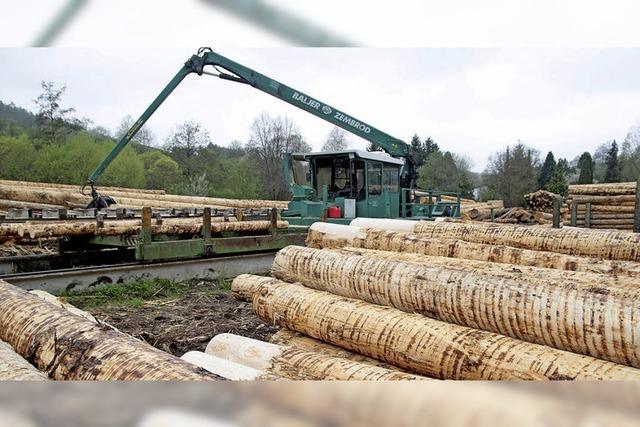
[540, 201]
[55, 196]
[611, 206]
[425, 302]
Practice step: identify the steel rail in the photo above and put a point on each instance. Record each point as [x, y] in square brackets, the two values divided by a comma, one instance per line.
[57, 281]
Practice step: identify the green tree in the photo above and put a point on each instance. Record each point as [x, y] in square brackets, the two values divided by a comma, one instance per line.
[558, 182]
[612, 172]
[547, 170]
[16, 158]
[443, 171]
[163, 174]
[511, 174]
[585, 164]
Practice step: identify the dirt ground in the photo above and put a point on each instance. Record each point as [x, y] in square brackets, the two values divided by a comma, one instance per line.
[189, 322]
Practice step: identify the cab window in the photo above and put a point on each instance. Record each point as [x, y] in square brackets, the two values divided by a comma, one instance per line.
[374, 178]
[391, 178]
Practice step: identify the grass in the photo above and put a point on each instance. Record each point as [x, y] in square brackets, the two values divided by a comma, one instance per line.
[126, 294]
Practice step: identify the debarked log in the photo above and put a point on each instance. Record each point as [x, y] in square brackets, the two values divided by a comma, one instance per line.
[414, 342]
[600, 317]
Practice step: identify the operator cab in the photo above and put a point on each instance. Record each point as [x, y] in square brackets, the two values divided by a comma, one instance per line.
[361, 183]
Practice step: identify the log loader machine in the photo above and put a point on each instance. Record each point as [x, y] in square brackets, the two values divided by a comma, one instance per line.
[334, 187]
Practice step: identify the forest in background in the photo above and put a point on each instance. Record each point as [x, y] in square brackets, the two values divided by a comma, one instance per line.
[52, 144]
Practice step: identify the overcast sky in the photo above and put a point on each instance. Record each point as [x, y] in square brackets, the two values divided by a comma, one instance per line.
[471, 101]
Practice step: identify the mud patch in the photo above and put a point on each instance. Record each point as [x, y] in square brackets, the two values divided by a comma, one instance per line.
[188, 322]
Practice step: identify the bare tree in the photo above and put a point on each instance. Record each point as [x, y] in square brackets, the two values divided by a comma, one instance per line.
[336, 140]
[271, 137]
[184, 142]
[53, 121]
[144, 136]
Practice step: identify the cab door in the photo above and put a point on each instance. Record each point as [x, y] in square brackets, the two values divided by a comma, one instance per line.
[376, 205]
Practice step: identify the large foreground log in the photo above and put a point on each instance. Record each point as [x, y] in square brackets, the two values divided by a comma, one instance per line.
[600, 244]
[14, 368]
[70, 347]
[596, 320]
[297, 340]
[298, 363]
[415, 342]
[337, 236]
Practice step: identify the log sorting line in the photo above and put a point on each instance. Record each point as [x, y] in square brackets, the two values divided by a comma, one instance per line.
[58, 196]
[604, 206]
[449, 309]
[179, 226]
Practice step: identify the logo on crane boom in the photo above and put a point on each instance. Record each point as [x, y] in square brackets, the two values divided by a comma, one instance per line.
[327, 110]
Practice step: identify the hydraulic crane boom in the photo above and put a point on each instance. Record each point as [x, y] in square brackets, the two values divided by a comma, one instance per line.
[241, 74]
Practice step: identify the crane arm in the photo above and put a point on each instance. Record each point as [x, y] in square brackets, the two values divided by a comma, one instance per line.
[241, 74]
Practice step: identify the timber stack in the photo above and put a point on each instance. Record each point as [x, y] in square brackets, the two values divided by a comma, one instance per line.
[34, 195]
[407, 296]
[604, 206]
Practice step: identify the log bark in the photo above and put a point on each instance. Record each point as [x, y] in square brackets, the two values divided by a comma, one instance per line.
[206, 201]
[177, 226]
[70, 347]
[46, 185]
[296, 363]
[599, 244]
[414, 342]
[603, 199]
[64, 197]
[288, 338]
[14, 368]
[423, 245]
[598, 318]
[582, 208]
[603, 189]
[27, 205]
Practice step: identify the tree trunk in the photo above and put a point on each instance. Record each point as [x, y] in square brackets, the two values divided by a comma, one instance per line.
[288, 338]
[599, 244]
[207, 201]
[594, 312]
[64, 197]
[50, 186]
[14, 368]
[70, 347]
[423, 245]
[414, 342]
[298, 363]
[604, 189]
[177, 226]
[27, 205]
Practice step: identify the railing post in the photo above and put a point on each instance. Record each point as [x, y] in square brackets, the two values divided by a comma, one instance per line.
[557, 202]
[587, 215]
[206, 223]
[636, 218]
[574, 213]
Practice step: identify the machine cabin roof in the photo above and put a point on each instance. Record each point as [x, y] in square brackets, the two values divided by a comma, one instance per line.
[367, 155]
